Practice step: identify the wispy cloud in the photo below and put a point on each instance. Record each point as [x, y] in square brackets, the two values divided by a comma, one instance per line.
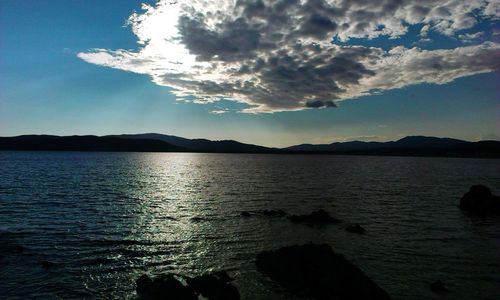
[471, 37]
[219, 111]
[278, 55]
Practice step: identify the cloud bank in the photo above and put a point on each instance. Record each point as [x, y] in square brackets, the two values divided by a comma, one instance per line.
[280, 55]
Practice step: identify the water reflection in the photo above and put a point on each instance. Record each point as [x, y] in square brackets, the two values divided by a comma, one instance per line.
[106, 218]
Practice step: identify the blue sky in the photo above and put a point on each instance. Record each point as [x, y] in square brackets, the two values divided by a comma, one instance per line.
[46, 88]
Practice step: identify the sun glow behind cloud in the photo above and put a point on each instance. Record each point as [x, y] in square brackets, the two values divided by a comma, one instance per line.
[279, 55]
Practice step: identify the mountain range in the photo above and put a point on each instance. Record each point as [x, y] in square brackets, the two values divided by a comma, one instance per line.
[154, 142]
[198, 145]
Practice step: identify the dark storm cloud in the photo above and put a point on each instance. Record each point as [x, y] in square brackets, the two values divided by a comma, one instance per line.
[319, 104]
[317, 25]
[234, 40]
[278, 55]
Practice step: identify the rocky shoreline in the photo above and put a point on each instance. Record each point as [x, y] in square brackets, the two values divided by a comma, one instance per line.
[310, 270]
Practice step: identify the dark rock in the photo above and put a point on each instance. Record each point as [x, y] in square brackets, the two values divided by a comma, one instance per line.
[355, 228]
[316, 217]
[163, 287]
[438, 287]
[196, 219]
[265, 212]
[211, 286]
[6, 248]
[223, 276]
[273, 213]
[214, 286]
[481, 201]
[245, 214]
[143, 284]
[317, 271]
[8, 244]
[47, 264]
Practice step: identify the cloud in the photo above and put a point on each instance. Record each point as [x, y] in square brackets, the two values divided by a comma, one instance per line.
[319, 104]
[471, 37]
[218, 111]
[279, 56]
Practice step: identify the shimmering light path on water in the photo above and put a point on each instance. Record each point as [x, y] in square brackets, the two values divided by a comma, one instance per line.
[104, 219]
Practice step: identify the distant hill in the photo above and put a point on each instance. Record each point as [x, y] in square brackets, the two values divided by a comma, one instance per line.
[84, 143]
[407, 146]
[200, 145]
[406, 142]
[153, 142]
[337, 146]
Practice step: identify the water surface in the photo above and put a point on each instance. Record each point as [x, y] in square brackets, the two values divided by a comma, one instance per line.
[106, 218]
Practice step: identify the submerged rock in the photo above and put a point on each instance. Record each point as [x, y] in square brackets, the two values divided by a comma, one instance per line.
[480, 200]
[211, 286]
[355, 228]
[317, 271]
[245, 214]
[438, 287]
[265, 212]
[197, 219]
[8, 244]
[316, 217]
[47, 264]
[7, 248]
[273, 213]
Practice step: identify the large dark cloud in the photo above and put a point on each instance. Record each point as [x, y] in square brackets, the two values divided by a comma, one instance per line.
[235, 40]
[279, 55]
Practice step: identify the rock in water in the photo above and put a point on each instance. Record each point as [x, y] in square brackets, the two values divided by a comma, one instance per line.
[481, 201]
[438, 287]
[317, 271]
[273, 213]
[355, 228]
[223, 276]
[163, 287]
[245, 214]
[315, 218]
[47, 264]
[214, 286]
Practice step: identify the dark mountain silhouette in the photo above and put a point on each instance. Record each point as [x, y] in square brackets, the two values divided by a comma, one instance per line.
[424, 142]
[153, 142]
[337, 146]
[406, 142]
[408, 146]
[200, 145]
[84, 143]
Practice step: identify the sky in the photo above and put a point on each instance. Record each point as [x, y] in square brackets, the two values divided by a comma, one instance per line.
[274, 73]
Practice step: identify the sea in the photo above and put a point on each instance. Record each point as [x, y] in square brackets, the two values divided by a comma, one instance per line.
[90, 223]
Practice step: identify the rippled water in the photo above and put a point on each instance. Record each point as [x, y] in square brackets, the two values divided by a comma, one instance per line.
[106, 218]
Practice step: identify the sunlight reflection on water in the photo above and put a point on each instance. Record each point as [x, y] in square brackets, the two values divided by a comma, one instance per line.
[106, 218]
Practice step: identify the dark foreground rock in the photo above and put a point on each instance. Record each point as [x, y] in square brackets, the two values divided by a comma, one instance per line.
[317, 271]
[211, 286]
[438, 287]
[214, 286]
[355, 228]
[479, 200]
[315, 218]
[163, 287]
